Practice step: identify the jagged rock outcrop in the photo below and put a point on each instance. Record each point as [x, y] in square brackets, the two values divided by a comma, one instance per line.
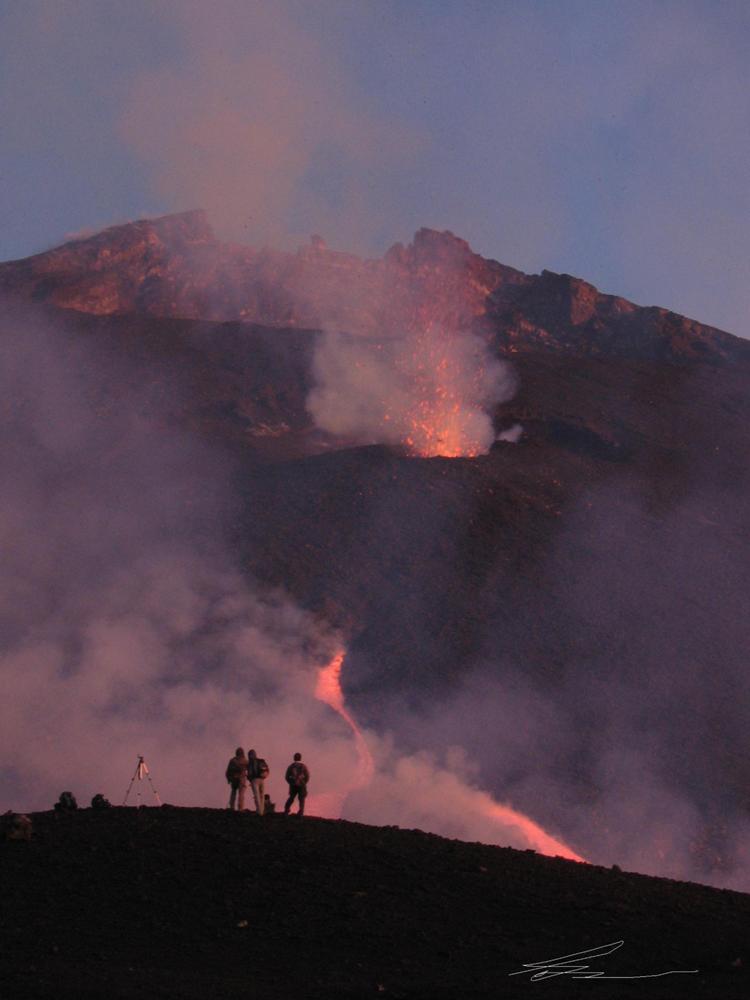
[175, 267]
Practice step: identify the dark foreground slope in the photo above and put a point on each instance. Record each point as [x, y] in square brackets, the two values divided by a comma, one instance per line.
[200, 903]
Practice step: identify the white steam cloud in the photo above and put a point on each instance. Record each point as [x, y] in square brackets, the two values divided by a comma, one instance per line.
[512, 434]
[431, 391]
[260, 125]
[126, 627]
[176, 660]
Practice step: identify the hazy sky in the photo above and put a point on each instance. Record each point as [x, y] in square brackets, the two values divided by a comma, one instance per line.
[610, 140]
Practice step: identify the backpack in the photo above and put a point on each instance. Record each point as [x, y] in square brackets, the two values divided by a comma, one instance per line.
[235, 769]
[261, 769]
[66, 802]
[15, 826]
[297, 774]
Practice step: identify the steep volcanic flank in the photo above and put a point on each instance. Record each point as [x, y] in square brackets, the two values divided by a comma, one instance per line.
[569, 609]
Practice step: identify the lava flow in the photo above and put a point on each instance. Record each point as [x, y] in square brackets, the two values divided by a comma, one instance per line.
[538, 838]
[328, 690]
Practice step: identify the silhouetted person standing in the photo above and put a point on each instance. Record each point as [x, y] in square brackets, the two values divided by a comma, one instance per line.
[257, 772]
[297, 777]
[237, 778]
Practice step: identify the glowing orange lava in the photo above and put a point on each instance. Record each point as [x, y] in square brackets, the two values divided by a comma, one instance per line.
[328, 690]
[448, 378]
[534, 834]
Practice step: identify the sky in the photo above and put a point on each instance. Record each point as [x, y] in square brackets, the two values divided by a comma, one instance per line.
[610, 140]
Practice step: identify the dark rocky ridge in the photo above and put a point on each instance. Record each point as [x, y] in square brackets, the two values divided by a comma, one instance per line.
[174, 267]
[195, 903]
[611, 545]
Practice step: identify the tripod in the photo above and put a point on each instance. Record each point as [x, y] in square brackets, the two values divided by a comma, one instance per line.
[141, 772]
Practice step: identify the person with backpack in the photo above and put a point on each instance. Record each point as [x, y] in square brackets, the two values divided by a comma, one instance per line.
[297, 777]
[236, 775]
[257, 772]
[66, 802]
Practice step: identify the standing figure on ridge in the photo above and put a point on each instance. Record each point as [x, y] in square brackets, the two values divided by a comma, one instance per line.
[257, 772]
[297, 777]
[236, 774]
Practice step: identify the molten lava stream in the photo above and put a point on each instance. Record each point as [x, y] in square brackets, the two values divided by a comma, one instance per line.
[537, 838]
[328, 690]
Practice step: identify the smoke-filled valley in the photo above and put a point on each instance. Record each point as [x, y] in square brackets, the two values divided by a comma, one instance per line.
[519, 505]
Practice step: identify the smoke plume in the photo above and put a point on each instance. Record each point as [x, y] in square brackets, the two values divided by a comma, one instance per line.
[128, 628]
[259, 124]
[614, 708]
[429, 391]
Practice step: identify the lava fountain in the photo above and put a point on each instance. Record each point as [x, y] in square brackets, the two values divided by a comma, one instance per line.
[455, 383]
[429, 390]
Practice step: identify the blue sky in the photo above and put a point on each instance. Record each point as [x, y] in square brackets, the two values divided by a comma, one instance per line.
[610, 140]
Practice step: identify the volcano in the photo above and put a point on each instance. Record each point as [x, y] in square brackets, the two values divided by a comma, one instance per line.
[587, 573]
